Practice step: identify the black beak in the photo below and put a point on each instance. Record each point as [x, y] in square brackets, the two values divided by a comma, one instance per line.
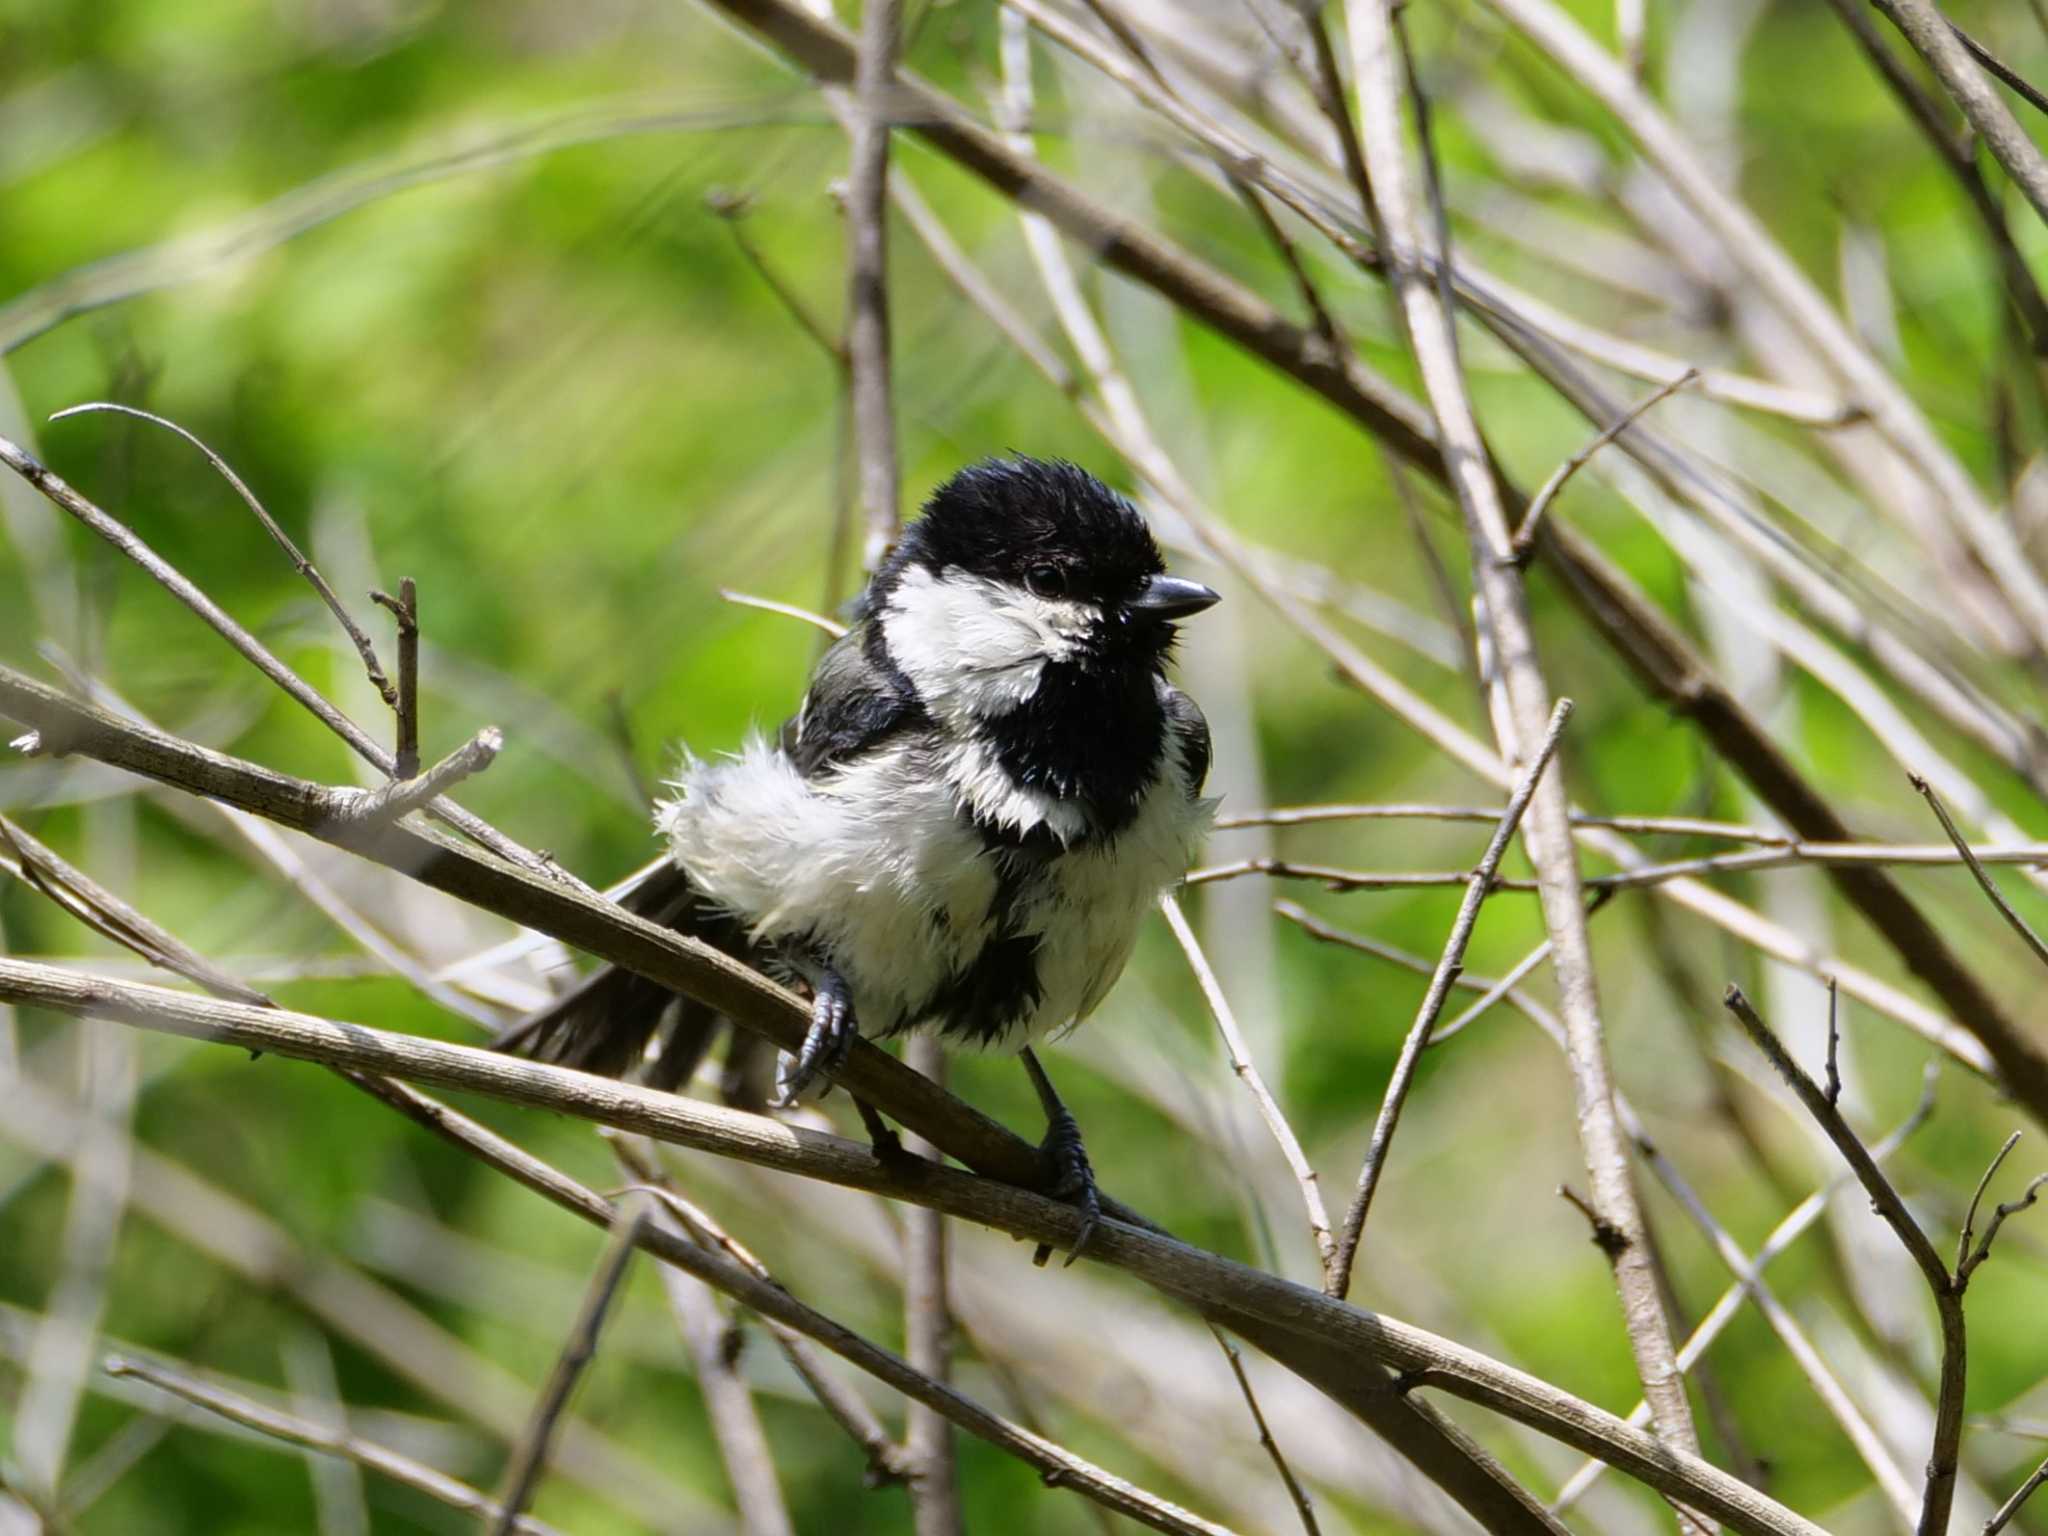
[1171, 597]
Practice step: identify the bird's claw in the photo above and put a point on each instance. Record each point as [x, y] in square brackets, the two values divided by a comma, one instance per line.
[1070, 1177]
[826, 1042]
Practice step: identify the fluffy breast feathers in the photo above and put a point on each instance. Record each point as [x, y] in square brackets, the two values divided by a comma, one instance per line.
[877, 868]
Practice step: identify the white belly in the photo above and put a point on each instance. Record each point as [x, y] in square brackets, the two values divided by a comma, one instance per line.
[873, 869]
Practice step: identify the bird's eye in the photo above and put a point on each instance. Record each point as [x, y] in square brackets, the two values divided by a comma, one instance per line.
[1045, 580]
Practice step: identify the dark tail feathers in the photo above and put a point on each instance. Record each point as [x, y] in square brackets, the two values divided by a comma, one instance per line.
[606, 1022]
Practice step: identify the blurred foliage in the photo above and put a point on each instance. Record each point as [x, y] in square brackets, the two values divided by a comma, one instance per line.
[552, 389]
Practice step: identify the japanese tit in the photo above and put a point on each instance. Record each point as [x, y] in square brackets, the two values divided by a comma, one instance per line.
[989, 783]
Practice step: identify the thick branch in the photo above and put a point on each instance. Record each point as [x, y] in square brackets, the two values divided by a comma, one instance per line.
[1498, 579]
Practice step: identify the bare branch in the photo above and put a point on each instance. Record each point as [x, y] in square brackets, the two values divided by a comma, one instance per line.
[1939, 1493]
[2013, 920]
[293, 1430]
[887, 1461]
[1303, 1505]
[1788, 1231]
[522, 1471]
[300, 563]
[1381, 89]
[2011, 1506]
[928, 1337]
[1923, 25]
[1239, 1296]
[1248, 1073]
[1448, 968]
[401, 797]
[1673, 826]
[1523, 544]
[406, 609]
[251, 649]
[867, 278]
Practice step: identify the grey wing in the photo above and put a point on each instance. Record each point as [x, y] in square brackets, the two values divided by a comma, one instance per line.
[1185, 720]
[857, 700]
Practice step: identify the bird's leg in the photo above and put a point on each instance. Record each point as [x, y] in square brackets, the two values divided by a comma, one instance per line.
[828, 1039]
[1068, 1175]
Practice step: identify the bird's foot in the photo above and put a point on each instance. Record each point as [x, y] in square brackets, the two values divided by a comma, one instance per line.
[1069, 1176]
[826, 1042]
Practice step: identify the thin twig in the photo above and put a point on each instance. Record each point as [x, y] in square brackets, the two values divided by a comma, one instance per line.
[2011, 1506]
[714, 1343]
[1303, 1505]
[867, 279]
[1248, 1073]
[2006, 74]
[300, 563]
[252, 650]
[1673, 826]
[293, 1430]
[1788, 855]
[731, 210]
[1526, 694]
[1834, 1089]
[928, 1336]
[405, 608]
[1491, 990]
[886, 1460]
[1448, 967]
[1523, 544]
[1998, 1217]
[1960, 157]
[528, 1456]
[1841, 1406]
[1796, 1223]
[740, 1276]
[2017, 923]
[831, 627]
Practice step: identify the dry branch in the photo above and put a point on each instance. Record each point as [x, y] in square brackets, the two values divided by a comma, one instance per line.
[1947, 1288]
[1449, 967]
[293, 1430]
[1497, 580]
[566, 912]
[1346, 1338]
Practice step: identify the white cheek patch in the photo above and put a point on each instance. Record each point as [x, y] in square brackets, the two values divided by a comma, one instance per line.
[975, 648]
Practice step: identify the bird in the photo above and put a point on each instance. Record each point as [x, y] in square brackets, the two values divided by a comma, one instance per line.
[989, 783]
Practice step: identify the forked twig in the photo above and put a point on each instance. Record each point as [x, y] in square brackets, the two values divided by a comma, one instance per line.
[300, 563]
[1942, 1459]
[405, 608]
[54, 489]
[1523, 544]
[1448, 968]
[401, 797]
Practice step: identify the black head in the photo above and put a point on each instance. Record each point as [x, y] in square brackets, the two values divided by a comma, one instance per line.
[1048, 527]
